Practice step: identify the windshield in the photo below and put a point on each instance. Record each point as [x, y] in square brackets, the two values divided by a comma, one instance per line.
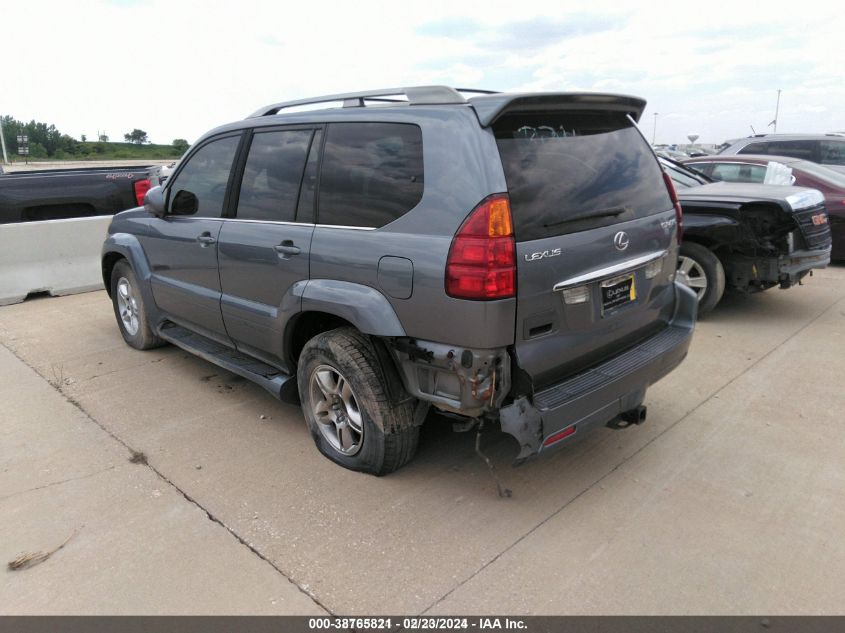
[575, 171]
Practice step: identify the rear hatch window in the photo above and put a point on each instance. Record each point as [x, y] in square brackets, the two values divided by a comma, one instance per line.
[574, 171]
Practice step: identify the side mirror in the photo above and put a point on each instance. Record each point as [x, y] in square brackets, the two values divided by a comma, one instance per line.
[184, 203]
[154, 202]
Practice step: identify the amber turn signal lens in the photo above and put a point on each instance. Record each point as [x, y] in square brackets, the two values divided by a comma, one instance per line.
[500, 218]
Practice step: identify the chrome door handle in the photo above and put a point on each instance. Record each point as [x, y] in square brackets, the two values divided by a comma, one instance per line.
[205, 239]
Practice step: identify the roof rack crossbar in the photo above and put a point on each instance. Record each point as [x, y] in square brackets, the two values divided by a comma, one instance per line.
[416, 95]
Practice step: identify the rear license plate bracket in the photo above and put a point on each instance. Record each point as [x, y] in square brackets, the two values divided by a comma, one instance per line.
[617, 292]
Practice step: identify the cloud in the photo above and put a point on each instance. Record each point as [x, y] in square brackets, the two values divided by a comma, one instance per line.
[176, 69]
[530, 34]
[540, 32]
[452, 27]
[127, 4]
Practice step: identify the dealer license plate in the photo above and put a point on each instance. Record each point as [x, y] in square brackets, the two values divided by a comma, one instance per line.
[617, 292]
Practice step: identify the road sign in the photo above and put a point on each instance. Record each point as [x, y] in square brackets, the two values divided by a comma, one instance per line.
[23, 145]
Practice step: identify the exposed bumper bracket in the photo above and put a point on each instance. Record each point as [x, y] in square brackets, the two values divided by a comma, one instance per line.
[523, 421]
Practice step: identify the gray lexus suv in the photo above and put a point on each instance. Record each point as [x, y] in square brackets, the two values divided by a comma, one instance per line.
[504, 258]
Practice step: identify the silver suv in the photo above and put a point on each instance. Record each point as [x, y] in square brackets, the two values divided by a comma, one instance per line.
[825, 149]
[504, 258]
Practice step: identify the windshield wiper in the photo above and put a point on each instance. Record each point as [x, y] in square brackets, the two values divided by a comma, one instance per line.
[604, 213]
[699, 173]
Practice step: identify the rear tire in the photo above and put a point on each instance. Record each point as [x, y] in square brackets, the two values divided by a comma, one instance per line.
[702, 272]
[129, 308]
[346, 407]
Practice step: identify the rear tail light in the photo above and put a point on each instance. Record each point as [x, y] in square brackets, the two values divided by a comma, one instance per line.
[482, 258]
[141, 189]
[679, 214]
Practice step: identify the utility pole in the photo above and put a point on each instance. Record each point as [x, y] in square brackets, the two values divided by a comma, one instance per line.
[3, 142]
[654, 132]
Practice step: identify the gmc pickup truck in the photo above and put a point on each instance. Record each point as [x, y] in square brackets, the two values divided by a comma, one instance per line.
[746, 237]
[71, 193]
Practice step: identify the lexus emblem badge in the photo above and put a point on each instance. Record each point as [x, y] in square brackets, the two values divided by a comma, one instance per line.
[620, 240]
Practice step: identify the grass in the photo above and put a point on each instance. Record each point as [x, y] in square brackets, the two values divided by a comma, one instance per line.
[110, 151]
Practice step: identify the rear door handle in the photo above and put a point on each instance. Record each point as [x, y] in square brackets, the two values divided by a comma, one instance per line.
[205, 239]
[287, 248]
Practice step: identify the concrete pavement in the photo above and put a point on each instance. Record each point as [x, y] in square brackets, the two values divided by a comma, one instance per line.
[138, 545]
[730, 499]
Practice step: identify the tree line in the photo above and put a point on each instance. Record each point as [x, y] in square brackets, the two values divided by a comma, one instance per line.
[46, 141]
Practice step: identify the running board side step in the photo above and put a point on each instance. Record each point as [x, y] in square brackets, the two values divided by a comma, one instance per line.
[270, 378]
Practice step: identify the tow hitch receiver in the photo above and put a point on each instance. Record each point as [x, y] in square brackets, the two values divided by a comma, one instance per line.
[628, 418]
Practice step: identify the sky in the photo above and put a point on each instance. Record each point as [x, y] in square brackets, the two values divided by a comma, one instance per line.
[178, 68]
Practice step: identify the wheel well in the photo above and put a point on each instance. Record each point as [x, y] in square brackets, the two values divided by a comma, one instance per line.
[109, 262]
[308, 325]
[719, 249]
[700, 240]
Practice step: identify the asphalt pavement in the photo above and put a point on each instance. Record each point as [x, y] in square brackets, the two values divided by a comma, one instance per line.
[730, 499]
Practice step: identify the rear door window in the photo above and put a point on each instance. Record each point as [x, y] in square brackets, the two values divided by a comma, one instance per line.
[273, 171]
[755, 148]
[739, 172]
[372, 173]
[832, 152]
[575, 171]
[806, 150]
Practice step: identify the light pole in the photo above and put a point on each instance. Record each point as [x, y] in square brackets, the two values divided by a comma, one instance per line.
[3, 142]
[654, 132]
[775, 120]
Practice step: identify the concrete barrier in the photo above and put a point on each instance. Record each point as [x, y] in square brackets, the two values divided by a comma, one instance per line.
[56, 256]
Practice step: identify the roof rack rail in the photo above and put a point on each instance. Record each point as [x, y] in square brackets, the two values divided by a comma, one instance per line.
[416, 95]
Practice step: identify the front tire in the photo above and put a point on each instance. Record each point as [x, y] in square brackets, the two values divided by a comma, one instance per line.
[346, 407]
[701, 271]
[129, 308]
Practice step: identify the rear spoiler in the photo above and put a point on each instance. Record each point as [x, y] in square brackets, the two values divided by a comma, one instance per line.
[490, 107]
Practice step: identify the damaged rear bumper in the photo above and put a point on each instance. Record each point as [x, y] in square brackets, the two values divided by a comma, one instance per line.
[600, 395]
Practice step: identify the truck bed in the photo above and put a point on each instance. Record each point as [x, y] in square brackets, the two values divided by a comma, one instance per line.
[47, 194]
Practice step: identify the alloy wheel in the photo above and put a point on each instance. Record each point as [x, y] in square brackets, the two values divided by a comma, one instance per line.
[336, 410]
[127, 306]
[691, 274]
